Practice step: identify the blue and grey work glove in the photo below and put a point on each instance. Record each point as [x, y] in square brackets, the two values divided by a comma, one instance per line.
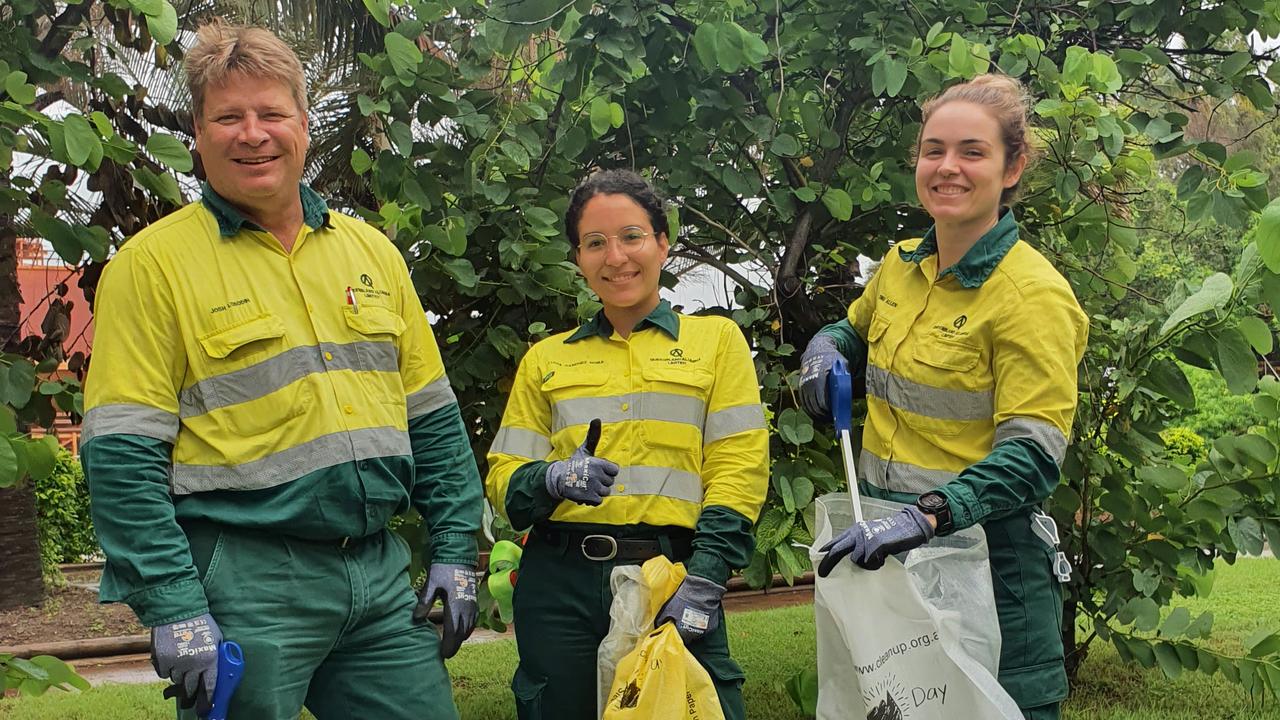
[869, 542]
[186, 652]
[583, 478]
[455, 585]
[815, 365]
[694, 608]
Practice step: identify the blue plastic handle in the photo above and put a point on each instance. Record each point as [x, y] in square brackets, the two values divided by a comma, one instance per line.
[230, 669]
[840, 395]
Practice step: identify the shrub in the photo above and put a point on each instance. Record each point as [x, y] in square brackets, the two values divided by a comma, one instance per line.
[62, 508]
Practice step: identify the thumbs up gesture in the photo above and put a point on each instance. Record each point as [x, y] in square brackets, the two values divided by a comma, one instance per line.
[583, 477]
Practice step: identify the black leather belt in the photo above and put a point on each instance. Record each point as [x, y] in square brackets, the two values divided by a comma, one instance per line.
[603, 547]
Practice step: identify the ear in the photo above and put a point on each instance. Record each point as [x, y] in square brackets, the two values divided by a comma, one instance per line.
[664, 247]
[1013, 173]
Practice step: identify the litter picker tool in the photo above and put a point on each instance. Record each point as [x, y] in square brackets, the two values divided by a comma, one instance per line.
[840, 399]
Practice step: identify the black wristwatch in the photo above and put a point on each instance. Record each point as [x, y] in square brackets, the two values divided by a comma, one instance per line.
[935, 504]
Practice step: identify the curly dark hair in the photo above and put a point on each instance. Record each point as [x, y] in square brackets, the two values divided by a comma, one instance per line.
[615, 182]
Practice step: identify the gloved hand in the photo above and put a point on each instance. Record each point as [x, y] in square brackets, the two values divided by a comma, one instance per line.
[815, 364]
[868, 543]
[694, 608]
[186, 652]
[456, 586]
[583, 478]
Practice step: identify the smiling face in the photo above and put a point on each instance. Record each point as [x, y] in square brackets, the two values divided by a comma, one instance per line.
[624, 268]
[252, 139]
[961, 171]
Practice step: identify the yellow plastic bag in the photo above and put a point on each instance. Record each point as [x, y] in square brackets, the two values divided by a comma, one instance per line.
[661, 678]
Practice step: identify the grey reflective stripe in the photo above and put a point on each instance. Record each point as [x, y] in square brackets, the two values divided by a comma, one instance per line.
[640, 406]
[521, 443]
[899, 476]
[291, 464]
[435, 395]
[129, 419]
[1045, 434]
[927, 400]
[731, 421]
[279, 371]
[662, 481]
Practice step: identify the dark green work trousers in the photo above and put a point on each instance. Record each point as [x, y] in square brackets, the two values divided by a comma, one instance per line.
[562, 605]
[321, 625]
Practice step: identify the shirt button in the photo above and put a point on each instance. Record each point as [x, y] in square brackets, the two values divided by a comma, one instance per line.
[349, 409]
[622, 488]
[328, 356]
[364, 464]
[626, 406]
[311, 308]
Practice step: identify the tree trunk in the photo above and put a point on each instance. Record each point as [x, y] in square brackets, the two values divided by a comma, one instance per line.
[1075, 652]
[21, 582]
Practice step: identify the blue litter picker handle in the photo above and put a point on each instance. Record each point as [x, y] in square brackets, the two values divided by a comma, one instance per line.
[840, 395]
[230, 669]
[840, 399]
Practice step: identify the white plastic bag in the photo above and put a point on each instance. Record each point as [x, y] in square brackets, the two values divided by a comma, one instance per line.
[629, 622]
[918, 638]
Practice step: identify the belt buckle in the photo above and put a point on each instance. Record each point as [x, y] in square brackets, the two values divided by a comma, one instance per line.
[613, 548]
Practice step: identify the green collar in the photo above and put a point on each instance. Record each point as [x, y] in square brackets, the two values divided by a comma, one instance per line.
[662, 317]
[976, 266]
[314, 211]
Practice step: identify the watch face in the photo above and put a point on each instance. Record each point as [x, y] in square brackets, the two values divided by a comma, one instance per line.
[932, 501]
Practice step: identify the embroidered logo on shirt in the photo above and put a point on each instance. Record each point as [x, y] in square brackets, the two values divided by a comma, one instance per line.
[960, 321]
[677, 353]
[366, 281]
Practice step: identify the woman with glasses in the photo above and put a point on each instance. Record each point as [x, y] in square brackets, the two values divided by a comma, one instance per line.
[639, 433]
[970, 341]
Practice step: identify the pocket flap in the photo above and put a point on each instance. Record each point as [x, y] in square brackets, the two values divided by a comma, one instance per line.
[374, 320]
[879, 324]
[221, 343]
[691, 376]
[947, 355]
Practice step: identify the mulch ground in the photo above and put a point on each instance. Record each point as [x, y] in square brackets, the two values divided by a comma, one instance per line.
[70, 613]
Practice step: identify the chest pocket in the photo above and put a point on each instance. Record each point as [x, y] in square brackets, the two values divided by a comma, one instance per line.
[576, 397]
[673, 406]
[374, 352]
[941, 404]
[243, 363]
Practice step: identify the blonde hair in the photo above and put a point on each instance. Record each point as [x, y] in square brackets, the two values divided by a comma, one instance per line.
[1008, 101]
[223, 49]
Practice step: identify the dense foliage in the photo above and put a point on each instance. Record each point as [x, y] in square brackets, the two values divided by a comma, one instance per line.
[783, 131]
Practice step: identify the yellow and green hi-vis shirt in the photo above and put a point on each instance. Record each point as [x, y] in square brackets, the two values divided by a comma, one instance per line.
[297, 392]
[966, 370]
[681, 413]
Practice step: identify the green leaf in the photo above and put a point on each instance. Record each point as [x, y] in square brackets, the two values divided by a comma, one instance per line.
[379, 9]
[958, 57]
[795, 427]
[1176, 624]
[805, 194]
[1257, 333]
[1246, 533]
[1166, 478]
[505, 341]
[601, 117]
[41, 456]
[403, 54]
[516, 152]
[60, 235]
[773, 529]
[1234, 64]
[572, 142]
[461, 270]
[785, 146]
[1262, 642]
[1267, 235]
[8, 464]
[163, 27]
[81, 139]
[895, 73]
[20, 91]
[1212, 295]
[706, 40]
[754, 49]
[1237, 362]
[1166, 377]
[1168, 659]
[616, 117]
[169, 150]
[360, 161]
[161, 184]
[1077, 65]
[838, 203]
[802, 688]
[450, 238]
[147, 7]
[1190, 181]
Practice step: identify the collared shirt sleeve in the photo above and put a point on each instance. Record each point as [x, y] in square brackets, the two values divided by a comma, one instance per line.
[518, 457]
[447, 491]
[130, 425]
[1037, 347]
[735, 465]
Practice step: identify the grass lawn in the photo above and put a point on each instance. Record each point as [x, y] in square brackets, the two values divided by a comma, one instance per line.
[773, 645]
